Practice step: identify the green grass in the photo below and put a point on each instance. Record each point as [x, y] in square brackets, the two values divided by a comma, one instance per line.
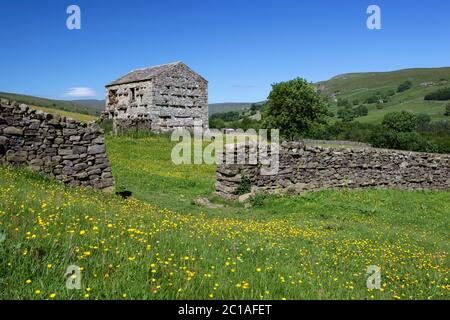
[359, 86]
[61, 105]
[159, 245]
[72, 115]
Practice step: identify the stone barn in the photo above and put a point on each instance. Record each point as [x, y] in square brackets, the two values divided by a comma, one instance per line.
[160, 99]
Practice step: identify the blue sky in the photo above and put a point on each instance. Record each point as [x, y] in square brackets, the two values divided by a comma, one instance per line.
[241, 47]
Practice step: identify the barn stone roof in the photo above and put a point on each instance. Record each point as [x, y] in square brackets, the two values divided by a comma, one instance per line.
[145, 73]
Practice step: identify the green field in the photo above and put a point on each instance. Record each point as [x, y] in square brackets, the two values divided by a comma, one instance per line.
[359, 86]
[160, 245]
[87, 107]
[68, 114]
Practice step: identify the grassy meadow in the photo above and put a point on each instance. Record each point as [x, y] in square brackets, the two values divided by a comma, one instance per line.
[360, 86]
[68, 114]
[160, 245]
[85, 107]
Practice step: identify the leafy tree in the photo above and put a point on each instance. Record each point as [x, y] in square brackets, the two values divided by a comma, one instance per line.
[216, 123]
[377, 97]
[402, 121]
[227, 116]
[361, 111]
[422, 121]
[248, 123]
[255, 107]
[405, 86]
[295, 108]
[447, 110]
[390, 93]
[346, 114]
[355, 102]
[413, 141]
[441, 95]
[343, 103]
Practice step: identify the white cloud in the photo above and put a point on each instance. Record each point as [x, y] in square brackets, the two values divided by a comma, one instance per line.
[80, 92]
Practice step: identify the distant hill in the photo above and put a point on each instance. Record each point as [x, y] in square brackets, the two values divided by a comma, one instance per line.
[87, 107]
[95, 104]
[227, 106]
[361, 86]
[95, 107]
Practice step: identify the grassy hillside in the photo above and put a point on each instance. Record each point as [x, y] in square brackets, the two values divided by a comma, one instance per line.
[98, 105]
[160, 245]
[75, 107]
[360, 86]
[224, 107]
[95, 107]
[72, 115]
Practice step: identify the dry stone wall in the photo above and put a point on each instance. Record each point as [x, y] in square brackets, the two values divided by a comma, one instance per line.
[303, 169]
[68, 150]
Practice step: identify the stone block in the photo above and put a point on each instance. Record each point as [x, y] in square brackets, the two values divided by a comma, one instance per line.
[13, 131]
[96, 149]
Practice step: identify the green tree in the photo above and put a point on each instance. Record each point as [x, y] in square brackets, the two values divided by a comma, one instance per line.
[295, 108]
[441, 94]
[343, 103]
[422, 121]
[405, 86]
[217, 123]
[413, 141]
[447, 110]
[400, 121]
[346, 114]
[361, 111]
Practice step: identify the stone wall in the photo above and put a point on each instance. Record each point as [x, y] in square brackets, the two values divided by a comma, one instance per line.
[303, 169]
[332, 143]
[68, 150]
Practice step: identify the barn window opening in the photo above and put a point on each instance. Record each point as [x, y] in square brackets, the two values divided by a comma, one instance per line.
[133, 94]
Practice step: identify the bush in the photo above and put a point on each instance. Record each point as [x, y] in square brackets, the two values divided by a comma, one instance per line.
[361, 111]
[295, 108]
[226, 116]
[400, 121]
[257, 107]
[422, 121]
[440, 95]
[244, 186]
[340, 130]
[405, 86]
[412, 141]
[246, 123]
[217, 124]
[390, 93]
[447, 110]
[343, 103]
[346, 114]
[375, 98]
[258, 200]
[106, 125]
